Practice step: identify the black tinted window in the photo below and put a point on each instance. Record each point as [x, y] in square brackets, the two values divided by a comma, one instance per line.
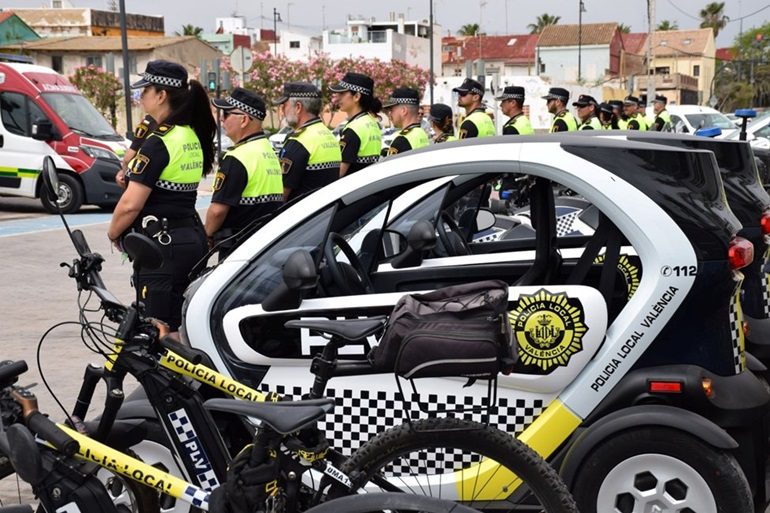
[15, 113]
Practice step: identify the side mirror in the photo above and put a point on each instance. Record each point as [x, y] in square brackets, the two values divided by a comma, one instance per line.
[25, 454]
[50, 180]
[485, 220]
[142, 251]
[393, 243]
[421, 237]
[299, 273]
[42, 130]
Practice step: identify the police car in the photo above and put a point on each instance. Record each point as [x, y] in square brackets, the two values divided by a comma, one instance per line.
[641, 400]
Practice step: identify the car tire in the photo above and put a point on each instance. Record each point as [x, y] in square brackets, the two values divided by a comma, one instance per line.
[70, 196]
[664, 468]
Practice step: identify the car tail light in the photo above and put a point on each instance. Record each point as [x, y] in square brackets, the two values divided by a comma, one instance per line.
[740, 253]
[708, 387]
[765, 223]
[665, 387]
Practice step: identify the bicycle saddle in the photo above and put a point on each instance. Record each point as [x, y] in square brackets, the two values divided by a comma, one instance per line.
[285, 417]
[349, 329]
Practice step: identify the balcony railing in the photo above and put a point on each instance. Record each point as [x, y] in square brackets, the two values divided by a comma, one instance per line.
[374, 36]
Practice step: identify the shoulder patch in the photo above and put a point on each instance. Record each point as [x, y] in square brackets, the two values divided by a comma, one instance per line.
[163, 129]
[219, 180]
[140, 132]
[343, 143]
[286, 165]
[137, 164]
[561, 114]
[463, 134]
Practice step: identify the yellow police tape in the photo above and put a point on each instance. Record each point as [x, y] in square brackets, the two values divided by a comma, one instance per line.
[489, 481]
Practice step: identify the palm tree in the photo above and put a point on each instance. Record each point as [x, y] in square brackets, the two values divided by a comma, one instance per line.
[713, 17]
[190, 30]
[667, 25]
[471, 29]
[624, 29]
[541, 22]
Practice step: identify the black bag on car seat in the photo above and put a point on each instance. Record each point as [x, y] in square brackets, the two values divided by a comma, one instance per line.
[462, 330]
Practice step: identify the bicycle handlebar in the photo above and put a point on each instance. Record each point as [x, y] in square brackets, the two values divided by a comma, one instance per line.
[50, 432]
[10, 370]
[180, 349]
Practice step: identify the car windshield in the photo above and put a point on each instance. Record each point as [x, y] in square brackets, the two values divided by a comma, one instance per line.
[708, 120]
[80, 115]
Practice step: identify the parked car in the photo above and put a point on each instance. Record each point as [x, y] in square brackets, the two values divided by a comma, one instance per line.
[689, 118]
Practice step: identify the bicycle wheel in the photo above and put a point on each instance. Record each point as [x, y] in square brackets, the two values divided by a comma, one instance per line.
[459, 460]
[401, 502]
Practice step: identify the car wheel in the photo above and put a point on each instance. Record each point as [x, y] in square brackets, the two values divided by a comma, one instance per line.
[70, 196]
[660, 469]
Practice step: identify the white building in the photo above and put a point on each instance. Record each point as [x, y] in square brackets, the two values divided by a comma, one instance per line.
[598, 45]
[298, 46]
[385, 40]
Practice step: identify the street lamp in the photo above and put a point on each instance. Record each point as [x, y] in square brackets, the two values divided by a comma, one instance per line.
[581, 10]
[126, 68]
[430, 43]
[276, 19]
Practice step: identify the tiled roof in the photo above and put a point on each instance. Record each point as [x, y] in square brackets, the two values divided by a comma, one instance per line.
[635, 43]
[53, 17]
[568, 35]
[681, 42]
[725, 54]
[103, 43]
[5, 15]
[514, 49]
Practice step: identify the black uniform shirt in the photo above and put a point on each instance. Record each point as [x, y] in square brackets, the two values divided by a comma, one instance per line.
[146, 167]
[294, 160]
[633, 124]
[229, 184]
[468, 128]
[509, 128]
[350, 143]
[142, 130]
[401, 144]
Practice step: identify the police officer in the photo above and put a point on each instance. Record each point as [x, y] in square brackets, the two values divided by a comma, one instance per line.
[512, 105]
[361, 139]
[556, 102]
[586, 110]
[403, 107]
[249, 182]
[311, 156]
[440, 117]
[620, 117]
[662, 117]
[476, 123]
[142, 130]
[607, 117]
[163, 179]
[631, 110]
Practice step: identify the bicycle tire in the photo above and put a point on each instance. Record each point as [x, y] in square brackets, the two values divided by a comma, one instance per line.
[401, 502]
[540, 480]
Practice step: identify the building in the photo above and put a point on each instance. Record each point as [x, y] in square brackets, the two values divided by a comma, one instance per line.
[686, 52]
[497, 55]
[396, 38]
[634, 55]
[594, 48]
[227, 42]
[53, 22]
[69, 53]
[298, 46]
[14, 30]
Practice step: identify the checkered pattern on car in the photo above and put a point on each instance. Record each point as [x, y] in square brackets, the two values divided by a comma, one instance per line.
[360, 415]
[766, 284]
[490, 235]
[186, 432]
[177, 187]
[564, 223]
[736, 330]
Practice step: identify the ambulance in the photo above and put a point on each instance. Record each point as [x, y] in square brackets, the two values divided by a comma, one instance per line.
[42, 113]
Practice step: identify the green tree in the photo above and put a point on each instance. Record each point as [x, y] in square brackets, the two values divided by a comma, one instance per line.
[190, 30]
[713, 16]
[541, 22]
[624, 29]
[101, 88]
[471, 29]
[668, 25]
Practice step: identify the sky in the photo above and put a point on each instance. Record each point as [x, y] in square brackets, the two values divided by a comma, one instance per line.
[494, 16]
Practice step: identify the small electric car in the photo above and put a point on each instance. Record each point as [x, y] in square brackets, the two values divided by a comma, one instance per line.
[642, 400]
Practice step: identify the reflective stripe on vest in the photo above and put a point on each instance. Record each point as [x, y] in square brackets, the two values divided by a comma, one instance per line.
[591, 123]
[370, 135]
[185, 160]
[263, 171]
[320, 143]
[416, 136]
[522, 124]
[568, 118]
[484, 125]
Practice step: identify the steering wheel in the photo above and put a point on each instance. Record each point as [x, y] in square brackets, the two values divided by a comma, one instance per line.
[349, 285]
[452, 240]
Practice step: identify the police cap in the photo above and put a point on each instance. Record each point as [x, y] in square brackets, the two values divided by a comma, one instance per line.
[605, 107]
[470, 86]
[297, 90]
[403, 96]
[439, 112]
[660, 99]
[584, 100]
[557, 93]
[244, 100]
[355, 82]
[616, 104]
[631, 100]
[512, 93]
[162, 73]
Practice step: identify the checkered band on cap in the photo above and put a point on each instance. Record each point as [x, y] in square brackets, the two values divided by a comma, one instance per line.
[476, 90]
[305, 94]
[511, 96]
[353, 87]
[248, 109]
[164, 81]
[403, 101]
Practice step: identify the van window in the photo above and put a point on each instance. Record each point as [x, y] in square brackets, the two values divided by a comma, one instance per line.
[18, 113]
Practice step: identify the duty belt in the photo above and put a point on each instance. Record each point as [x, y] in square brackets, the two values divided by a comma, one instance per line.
[158, 229]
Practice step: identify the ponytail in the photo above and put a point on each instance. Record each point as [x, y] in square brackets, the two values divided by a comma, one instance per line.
[192, 107]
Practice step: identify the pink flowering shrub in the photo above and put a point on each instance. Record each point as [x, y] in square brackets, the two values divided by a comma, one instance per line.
[101, 88]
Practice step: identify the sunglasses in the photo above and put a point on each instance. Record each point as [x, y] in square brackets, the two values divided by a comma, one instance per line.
[465, 93]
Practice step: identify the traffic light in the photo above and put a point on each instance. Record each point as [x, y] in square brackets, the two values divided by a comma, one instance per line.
[212, 80]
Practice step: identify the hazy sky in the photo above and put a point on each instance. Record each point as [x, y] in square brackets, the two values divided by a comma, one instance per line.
[312, 15]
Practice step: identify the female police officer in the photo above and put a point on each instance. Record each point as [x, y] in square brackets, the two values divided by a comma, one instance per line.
[162, 185]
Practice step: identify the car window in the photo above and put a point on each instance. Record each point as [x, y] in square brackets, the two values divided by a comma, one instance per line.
[678, 124]
[763, 132]
[426, 209]
[708, 120]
